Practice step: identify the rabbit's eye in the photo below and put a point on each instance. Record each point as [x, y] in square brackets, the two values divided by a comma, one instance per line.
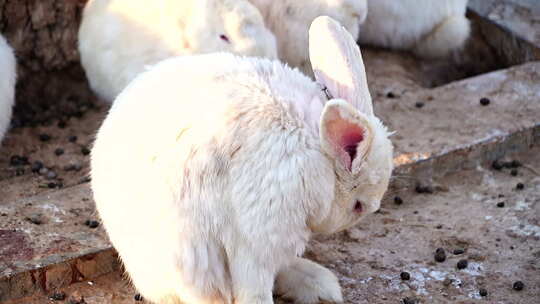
[224, 38]
[358, 207]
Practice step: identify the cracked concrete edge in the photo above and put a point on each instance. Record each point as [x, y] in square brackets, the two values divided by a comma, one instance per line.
[57, 271]
[424, 170]
[511, 47]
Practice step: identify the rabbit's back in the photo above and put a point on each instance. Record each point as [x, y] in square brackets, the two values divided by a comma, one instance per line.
[118, 39]
[183, 155]
[402, 23]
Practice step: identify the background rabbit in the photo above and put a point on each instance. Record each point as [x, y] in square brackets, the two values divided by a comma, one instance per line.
[118, 38]
[289, 20]
[7, 85]
[429, 28]
[211, 172]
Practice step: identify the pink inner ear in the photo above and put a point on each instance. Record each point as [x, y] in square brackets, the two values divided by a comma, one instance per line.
[346, 137]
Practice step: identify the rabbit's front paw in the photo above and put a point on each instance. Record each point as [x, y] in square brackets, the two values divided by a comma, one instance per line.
[306, 282]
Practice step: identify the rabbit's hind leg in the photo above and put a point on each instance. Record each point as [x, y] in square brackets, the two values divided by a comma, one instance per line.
[307, 282]
[252, 283]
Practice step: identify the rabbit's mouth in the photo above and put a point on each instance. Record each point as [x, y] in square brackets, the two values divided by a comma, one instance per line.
[358, 207]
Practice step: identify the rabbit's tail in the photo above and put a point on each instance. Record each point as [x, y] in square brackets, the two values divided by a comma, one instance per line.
[449, 35]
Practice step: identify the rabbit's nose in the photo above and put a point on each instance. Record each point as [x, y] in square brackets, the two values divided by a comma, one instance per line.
[358, 207]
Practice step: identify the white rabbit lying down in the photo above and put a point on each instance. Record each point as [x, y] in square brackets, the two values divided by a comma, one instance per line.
[429, 28]
[119, 38]
[211, 172]
[289, 20]
[7, 85]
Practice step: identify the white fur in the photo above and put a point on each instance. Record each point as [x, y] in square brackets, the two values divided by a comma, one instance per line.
[210, 174]
[306, 282]
[119, 38]
[429, 28]
[7, 85]
[289, 20]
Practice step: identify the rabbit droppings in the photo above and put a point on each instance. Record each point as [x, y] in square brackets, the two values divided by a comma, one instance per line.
[431, 29]
[7, 85]
[289, 20]
[119, 38]
[211, 172]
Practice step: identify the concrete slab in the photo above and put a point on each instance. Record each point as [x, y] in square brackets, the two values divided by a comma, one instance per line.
[521, 17]
[47, 242]
[452, 130]
[511, 27]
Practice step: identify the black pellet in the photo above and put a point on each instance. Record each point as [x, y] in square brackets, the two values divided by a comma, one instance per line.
[138, 297]
[92, 223]
[440, 255]
[496, 165]
[424, 189]
[459, 251]
[483, 292]
[405, 276]
[72, 138]
[34, 220]
[500, 204]
[36, 166]
[59, 151]
[485, 101]
[85, 151]
[409, 300]
[462, 264]
[518, 285]
[419, 104]
[520, 186]
[398, 200]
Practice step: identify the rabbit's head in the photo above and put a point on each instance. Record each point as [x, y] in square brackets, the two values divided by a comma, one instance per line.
[233, 26]
[355, 141]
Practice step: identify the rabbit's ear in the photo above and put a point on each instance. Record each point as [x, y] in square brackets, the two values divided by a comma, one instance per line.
[345, 133]
[337, 63]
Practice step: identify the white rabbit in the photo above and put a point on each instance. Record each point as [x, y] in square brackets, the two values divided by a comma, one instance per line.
[429, 28]
[119, 38]
[7, 85]
[211, 172]
[289, 20]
